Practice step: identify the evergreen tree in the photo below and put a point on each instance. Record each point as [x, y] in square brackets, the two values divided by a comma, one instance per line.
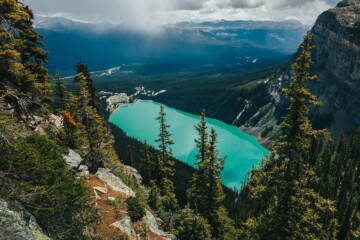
[165, 164]
[215, 213]
[293, 209]
[100, 144]
[83, 72]
[22, 60]
[146, 165]
[98, 138]
[191, 226]
[61, 93]
[130, 156]
[295, 142]
[206, 194]
[197, 193]
[33, 57]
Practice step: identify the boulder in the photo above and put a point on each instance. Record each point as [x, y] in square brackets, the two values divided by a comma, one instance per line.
[83, 168]
[39, 129]
[124, 225]
[83, 172]
[114, 182]
[153, 226]
[97, 197]
[56, 120]
[101, 190]
[37, 119]
[18, 224]
[134, 173]
[73, 159]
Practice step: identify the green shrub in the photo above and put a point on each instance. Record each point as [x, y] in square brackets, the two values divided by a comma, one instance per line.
[141, 228]
[45, 187]
[120, 206]
[189, 225]
[118, 236]
[135, 209]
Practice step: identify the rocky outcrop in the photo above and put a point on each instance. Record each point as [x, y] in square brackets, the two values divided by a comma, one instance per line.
[114, 182]
[18, 224]
[73, 159]
[336, 62]
[124, 225]
[133, 173]
[51, 123]
[150, 220]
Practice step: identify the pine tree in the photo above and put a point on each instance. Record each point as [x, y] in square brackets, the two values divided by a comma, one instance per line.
[206, 193]
[191, 226]
[61, 93]
[165, 163]
[298, 134]
[291, 150]
[22, 60]
[33, 57]
[197, 194]
[83, 72]
[146, 165]
[293, 208]
[130, 156]
[100, 144]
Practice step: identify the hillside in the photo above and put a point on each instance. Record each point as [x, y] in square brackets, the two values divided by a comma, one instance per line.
[336, 61]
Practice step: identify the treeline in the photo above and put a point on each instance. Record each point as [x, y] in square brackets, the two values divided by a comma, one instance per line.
[307, 188]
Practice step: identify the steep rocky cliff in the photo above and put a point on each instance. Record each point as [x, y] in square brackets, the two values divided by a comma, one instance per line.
[337, 63]
[336, 59]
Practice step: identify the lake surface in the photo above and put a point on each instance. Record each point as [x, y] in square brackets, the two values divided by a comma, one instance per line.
[241, 150]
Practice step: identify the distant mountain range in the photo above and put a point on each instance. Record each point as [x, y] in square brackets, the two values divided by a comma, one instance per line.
[185, 46]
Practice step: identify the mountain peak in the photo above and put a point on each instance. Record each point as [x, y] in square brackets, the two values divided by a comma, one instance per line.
[347, 3]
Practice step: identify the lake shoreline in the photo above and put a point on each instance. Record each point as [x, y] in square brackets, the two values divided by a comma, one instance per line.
[243, 152]
[264, 142]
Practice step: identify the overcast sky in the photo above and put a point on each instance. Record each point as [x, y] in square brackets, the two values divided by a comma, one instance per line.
[140, 14]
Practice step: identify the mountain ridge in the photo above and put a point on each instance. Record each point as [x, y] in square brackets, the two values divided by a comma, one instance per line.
[336, 60]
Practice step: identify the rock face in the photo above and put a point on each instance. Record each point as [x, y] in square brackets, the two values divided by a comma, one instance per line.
[124, 225]
[114, 182]
[337, 61]
[18, 225]
[134, 173]
[73, 159]
[153, 226]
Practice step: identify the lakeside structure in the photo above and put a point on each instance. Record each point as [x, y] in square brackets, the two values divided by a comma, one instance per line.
[116, 101]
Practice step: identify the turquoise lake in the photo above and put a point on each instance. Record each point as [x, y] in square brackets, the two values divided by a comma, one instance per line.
[241, 150]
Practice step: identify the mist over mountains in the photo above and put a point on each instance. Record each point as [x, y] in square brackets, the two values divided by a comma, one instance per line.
[185, 46]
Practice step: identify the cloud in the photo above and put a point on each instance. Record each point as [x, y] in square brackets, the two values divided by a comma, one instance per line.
[144, 15]
[189, 5]
[246, 4]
